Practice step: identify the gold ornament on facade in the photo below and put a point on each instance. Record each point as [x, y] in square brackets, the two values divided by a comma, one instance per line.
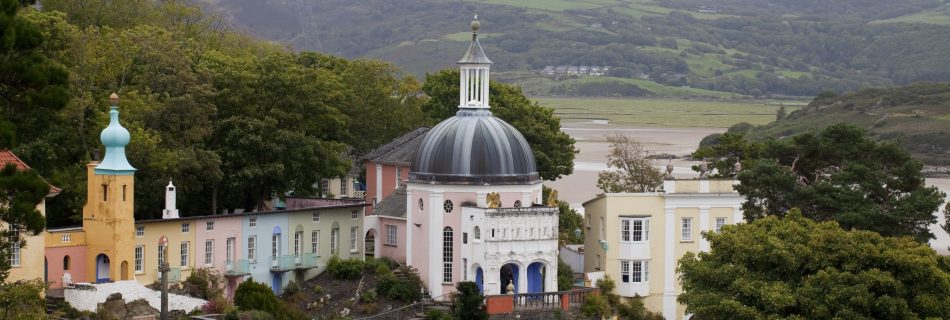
[552, 198]
[494, 200]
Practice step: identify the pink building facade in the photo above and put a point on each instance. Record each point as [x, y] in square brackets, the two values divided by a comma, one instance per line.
[223, 237]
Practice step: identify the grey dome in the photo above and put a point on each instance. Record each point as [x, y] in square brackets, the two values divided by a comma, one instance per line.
[474, 147]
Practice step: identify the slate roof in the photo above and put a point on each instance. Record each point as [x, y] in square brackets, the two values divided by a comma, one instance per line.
[394, 205]
[400, 151]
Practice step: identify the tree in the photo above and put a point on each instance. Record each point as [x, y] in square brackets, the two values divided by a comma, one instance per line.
[31, 86]
[780, 113]
[632, 170]
[21, 300]
[839, 174]
[795, 268]
[565, 276]
[553, 149]
[727, 149]
[467, 302]
[22, 191]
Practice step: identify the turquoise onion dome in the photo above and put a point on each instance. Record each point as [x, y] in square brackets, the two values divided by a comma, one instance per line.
[115, 138]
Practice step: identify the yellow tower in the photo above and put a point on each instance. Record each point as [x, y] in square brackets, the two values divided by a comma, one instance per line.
[107, 217]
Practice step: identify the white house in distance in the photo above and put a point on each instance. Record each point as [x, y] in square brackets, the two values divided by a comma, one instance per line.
[637, 238]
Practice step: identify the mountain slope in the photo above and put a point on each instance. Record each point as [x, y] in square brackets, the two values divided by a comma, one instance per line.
[918, 116]
[748, 47]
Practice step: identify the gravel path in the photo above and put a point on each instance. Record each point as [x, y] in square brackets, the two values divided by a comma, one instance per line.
[87, 300]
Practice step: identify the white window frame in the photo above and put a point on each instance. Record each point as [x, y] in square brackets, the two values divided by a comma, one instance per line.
[252, 222]
[391, 233]
[315, 241]
[355, 214]
[315, 217]
[634, 230]
[464, 269]
[252, 248]
[398, 175]
[354, 238]
[477, 233]
[139, 231]
[686, 229]
[209, 252]
[447, 247]
[185, 227]
[162, 253]
[184, 254]
[343, 187]
[229, 249]
[720, 222]
[209, 225]
[334, 241]
[15, 249]
[634, 271]
[139, 259]
[275, 246]
[298, 243]
[603, 229]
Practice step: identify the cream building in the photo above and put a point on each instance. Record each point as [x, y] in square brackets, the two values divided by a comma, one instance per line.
[637, 238]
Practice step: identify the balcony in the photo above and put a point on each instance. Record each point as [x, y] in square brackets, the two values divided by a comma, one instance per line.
[239, 268]
[174, 275]
[293, 262]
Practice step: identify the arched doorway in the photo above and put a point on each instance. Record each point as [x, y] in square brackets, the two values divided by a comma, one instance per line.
[508, 274]
[535, 274]
[480, 280]
[370, 243]
[102, 268]
[124, 269]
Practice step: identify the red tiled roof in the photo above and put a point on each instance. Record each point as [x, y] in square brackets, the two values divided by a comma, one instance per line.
[8, 157]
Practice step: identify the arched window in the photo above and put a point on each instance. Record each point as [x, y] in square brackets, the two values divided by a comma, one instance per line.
[447, 255]
[477, 233]
[66, 263]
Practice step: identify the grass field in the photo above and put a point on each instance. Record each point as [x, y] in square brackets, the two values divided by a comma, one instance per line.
[939, 16]
[666, 112]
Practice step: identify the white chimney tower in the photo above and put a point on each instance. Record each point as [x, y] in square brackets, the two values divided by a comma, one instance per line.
[170, 212]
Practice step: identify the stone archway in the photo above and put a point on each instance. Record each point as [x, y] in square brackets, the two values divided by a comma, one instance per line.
[508, 274]
[369, 246]
[102, 268]
[536, 273]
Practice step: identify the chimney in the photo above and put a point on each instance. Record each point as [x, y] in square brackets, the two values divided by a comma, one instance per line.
[170, 212]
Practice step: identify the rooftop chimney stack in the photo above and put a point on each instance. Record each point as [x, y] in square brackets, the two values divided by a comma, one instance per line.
[170, 212]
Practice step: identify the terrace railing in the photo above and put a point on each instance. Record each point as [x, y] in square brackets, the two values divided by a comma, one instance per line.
[283, 263]
[306, 261]
[240, 267]
[174, 275]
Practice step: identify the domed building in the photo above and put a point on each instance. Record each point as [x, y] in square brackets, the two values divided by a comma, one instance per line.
[473, 199]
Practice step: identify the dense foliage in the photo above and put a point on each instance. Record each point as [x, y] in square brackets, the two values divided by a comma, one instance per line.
[21, 300]
[837, 174]
[468, 302]
[801, 269]
[254, 296]
[345, 269]
[565, 276]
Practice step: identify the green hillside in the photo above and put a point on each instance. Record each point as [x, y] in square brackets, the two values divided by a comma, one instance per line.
[918, 116]
[745, 47]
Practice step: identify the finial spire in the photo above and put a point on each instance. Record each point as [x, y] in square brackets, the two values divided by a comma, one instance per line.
[473, 81]
[115, 138]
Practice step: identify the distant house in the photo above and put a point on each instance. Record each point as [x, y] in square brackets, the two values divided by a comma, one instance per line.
[582, 70]
[549, 70]
[572, 70]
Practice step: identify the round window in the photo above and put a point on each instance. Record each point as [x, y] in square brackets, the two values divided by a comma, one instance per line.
[420, 204]
[517, 203]
[447, 206]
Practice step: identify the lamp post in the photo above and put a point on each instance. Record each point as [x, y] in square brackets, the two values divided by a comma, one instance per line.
[577, 233]
[163, 269]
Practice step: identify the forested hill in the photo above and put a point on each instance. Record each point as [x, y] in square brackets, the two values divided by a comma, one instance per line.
[747, 47]
[918, 116]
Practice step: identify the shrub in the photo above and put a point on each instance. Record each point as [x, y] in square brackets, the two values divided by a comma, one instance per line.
[369, 308]
[217, 305]
[467, 302]
[317, 289]
[436, 314]
[255, 315]
[205, 283]
[408, 289]
[291, 288]
[21, 300]
[382, 269]
[595, 306]
[349, 269]
[368, 296]
[252, 295]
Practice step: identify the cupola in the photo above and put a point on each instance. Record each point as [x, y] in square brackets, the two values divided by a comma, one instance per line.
[114, 138]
